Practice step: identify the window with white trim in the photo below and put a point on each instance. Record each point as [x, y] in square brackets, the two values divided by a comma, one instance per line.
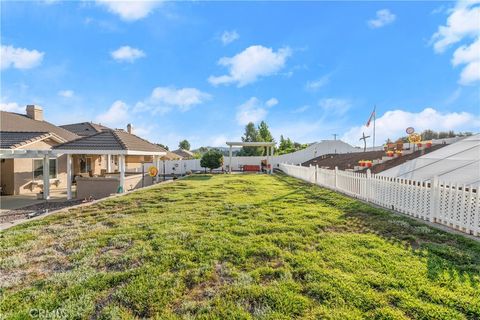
[38, 169]
[85, 165]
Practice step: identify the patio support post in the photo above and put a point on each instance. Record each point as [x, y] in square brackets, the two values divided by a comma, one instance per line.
[122, 171]
[69, 176]
[157, 165]
[46, 177]
[109, 163]
[230, 159]
[271, 159]
[268, 159]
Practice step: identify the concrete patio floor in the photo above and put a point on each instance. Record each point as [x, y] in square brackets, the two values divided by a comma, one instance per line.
[19, 201]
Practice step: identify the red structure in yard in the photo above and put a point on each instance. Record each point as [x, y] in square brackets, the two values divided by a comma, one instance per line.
[251, 168]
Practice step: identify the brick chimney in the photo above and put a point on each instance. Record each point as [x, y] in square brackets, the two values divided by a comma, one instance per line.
[35, 112]
[129, 128]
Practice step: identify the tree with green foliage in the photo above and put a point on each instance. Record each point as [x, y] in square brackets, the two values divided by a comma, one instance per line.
[184, 144]
[251, 135]
[429, 135]
[288, 146]
[212, 159]
[197, 155]
[163, 146]
[202, 150]
[265, 135]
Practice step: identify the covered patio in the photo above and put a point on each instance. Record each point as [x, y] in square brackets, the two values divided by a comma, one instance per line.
[117, 147]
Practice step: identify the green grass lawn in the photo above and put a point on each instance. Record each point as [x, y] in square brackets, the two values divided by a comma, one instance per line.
[236, 247]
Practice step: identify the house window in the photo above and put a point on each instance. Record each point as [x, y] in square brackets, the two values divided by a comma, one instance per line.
[85, 165]
[38, 169]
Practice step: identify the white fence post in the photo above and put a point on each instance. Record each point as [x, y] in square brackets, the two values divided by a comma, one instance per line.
[367, 185]
[449, 205]
[476, 212]
[434, 199]
[336, 178]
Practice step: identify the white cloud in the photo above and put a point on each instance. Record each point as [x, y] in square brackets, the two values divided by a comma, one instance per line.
[462, 25]
[335, 106]
[254, 62]
[116, 116]
[219, 140]
[12, 107]
[392, 124]
[127, 54]
[382, 18]
[19, 58]
[271, 102]
[163, 99]
[470, 56]
[66, 93]
[306, 131]
[142, 131]
[253, 110]
[301, 109]
[130, 10]
[317, 84]
[229, 36]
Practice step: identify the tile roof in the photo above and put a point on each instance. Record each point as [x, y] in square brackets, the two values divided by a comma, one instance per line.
[85, 128]
[15, 122]
[185, 154]
[110, 140]
[171, 156]
[13, 140]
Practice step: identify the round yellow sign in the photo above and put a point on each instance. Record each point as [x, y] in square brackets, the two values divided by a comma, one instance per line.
[414, 138]
[152, 171]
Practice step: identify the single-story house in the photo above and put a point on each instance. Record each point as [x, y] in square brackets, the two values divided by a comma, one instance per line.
[32, 149]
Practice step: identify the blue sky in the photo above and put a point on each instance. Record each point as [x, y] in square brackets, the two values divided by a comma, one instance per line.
[202, 70]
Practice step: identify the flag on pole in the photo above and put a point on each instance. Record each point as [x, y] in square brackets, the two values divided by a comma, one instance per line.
[372, 116]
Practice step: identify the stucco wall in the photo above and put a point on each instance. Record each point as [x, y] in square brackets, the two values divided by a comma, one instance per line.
[23, 176]
[6, 176]
[135, 182]
[100, 187]
[98, 163]
[96, 187]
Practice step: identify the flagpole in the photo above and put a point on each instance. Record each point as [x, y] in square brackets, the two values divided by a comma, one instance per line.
[374, 118]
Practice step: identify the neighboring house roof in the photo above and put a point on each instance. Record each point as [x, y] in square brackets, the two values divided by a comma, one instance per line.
[171, 156]
[185, 154]
[15, 122]
[85, 128]
[14, 140]
[110, 140]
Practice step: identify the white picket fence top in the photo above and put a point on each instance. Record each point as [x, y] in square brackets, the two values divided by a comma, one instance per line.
[456, 206]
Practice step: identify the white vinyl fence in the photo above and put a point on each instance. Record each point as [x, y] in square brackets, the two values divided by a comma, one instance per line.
[453, 205]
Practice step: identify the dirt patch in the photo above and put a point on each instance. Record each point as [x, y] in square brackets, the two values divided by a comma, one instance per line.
[40, 208]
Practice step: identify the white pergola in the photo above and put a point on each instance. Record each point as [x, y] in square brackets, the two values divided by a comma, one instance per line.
[269, 145]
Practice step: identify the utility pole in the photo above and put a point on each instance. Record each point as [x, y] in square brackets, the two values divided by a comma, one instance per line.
[334, 136]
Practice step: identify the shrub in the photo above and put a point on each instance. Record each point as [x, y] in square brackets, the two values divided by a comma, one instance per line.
[212, 159]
